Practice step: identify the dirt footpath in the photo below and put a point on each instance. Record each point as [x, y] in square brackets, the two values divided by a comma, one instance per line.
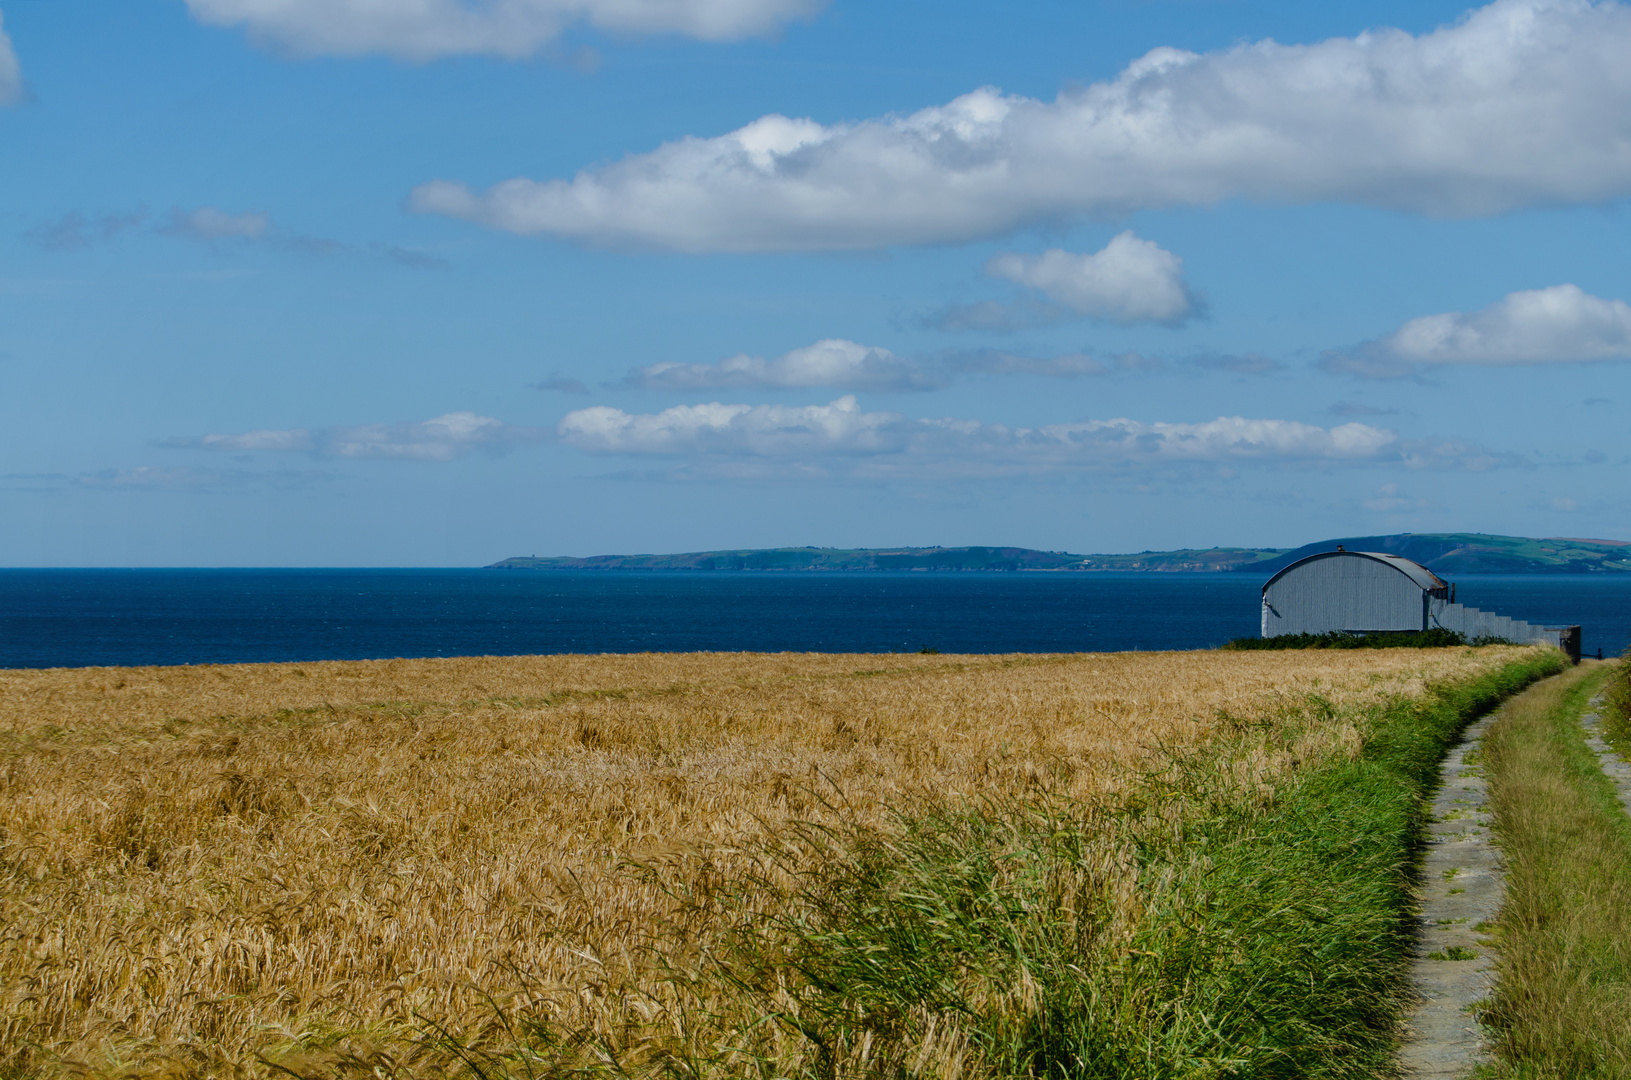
[1462, 885]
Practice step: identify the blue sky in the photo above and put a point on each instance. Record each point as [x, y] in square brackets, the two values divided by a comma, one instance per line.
[289, 282]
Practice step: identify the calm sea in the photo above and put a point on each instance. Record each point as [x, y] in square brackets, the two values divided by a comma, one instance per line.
[72, 618]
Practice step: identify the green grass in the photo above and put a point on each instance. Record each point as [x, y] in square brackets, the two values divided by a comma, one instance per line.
[1617, 707]
[1273, 941]
[1454, 952]
[1562, 1005]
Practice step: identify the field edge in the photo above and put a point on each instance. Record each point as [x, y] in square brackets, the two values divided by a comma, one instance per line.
[1275, 942]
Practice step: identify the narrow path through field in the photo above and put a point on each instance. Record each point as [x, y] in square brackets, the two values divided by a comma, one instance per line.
[1616, 768]
[1462, 885]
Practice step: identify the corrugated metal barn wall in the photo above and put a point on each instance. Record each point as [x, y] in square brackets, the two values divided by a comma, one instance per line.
[1323, 595]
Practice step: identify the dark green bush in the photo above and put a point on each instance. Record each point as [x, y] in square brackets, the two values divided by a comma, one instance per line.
[1381, 639]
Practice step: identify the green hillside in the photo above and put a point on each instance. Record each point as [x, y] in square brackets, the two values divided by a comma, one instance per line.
[1480, 553]
[811, 558]
[1184, 560]
[1443, 553]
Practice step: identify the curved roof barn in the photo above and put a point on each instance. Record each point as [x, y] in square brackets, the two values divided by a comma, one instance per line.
[1357, 591]
[1368, 591]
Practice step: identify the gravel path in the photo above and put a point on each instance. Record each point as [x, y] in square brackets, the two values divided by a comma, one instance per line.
[1462, 884]
[1617, 770]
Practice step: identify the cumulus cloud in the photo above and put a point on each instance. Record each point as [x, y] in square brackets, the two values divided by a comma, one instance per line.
[831, 362]
[440, 439]
[1560, 324]
[839, 436]
[847, 365]
[421, 30]
[1129, 281]
[1520, 103]
[11, 73]
[760, 430]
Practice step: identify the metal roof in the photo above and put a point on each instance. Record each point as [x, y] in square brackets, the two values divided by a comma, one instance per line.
[1415, 571]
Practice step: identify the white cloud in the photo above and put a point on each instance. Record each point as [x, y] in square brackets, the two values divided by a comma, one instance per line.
[208, 223]
[440, 439]
[423, 30]
[847, 365]
[449, 436]
[759, 430]
[839, 436]
[1520, 103]
[252, 441]
[1130, 281]
[11, 73]
[831, 362]
[1560, 324]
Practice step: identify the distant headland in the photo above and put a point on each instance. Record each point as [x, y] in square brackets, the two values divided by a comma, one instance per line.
[1443, 553]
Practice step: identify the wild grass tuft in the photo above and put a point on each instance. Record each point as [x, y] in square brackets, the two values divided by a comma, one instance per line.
[1562, 1003]
[1616, 711]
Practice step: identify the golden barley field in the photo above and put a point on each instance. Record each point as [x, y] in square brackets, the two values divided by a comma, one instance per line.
[205, 870]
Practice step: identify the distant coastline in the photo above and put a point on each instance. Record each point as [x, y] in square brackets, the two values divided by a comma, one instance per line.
[1443, 553]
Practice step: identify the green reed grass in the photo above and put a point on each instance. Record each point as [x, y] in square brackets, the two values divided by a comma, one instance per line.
[1616, 709]
[1562, 1006]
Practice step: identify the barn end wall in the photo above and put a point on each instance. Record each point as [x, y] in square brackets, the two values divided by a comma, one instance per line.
[1357, 594]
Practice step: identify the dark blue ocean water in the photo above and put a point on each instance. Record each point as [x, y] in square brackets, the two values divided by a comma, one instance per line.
[70, 618]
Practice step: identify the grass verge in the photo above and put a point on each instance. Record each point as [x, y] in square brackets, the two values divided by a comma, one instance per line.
[1617, 707]
[1233, 929]
[1562, 1006]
